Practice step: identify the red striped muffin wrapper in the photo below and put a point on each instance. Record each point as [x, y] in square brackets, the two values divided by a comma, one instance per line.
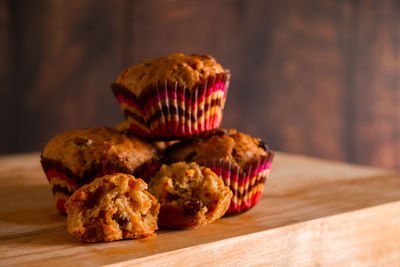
[167, 110]
[64, 182]
[247, 185]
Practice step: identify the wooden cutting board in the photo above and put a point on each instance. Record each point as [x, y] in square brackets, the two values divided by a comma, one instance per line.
[312, 212]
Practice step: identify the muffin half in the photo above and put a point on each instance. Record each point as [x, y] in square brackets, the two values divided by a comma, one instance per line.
[190, 195]
[112, 207]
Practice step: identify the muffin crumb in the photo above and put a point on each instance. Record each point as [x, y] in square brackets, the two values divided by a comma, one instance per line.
[112, 207]
[190, 195]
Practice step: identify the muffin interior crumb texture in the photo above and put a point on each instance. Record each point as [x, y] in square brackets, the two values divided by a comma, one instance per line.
[111, 208]
[189, 195]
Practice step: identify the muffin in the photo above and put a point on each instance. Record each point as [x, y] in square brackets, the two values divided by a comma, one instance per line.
[243, 162]
[190, 195]
[112, 207]
[172, 97]
[75, 158]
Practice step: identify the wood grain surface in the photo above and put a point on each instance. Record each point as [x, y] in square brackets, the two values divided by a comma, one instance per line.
[313, 77]
[313, 212]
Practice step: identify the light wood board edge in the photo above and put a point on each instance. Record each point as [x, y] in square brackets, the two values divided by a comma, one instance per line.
[367, 237]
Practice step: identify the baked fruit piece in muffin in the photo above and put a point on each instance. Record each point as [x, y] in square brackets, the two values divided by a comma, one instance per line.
[162, 145]
[112, 207]
[75, 158]
[190, 195]
[243, 162]
[172, 97]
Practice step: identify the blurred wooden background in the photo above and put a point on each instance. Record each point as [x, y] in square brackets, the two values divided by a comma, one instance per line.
[313, 77]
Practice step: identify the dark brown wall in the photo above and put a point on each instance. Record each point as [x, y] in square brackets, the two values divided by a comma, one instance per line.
[313, 77]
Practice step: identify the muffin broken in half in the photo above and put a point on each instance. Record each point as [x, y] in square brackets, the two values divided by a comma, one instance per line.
[112, 207]
[190, 195]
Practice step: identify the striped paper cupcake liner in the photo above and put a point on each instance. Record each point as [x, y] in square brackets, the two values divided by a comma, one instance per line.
[247, 184]
[167, 110]
[64, 182]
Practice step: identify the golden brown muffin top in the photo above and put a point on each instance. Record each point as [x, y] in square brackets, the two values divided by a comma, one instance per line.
[112, 207]
[187, 70]
[78, 150]
[229, 145]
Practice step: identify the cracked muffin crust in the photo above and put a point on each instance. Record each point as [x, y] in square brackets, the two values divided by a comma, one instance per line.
[187, 70]
[229, 145]
[112, 207]
[79, 149]
[190, 195]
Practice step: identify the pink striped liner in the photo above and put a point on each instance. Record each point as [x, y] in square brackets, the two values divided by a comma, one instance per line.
[170, 100]
[233, 174]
